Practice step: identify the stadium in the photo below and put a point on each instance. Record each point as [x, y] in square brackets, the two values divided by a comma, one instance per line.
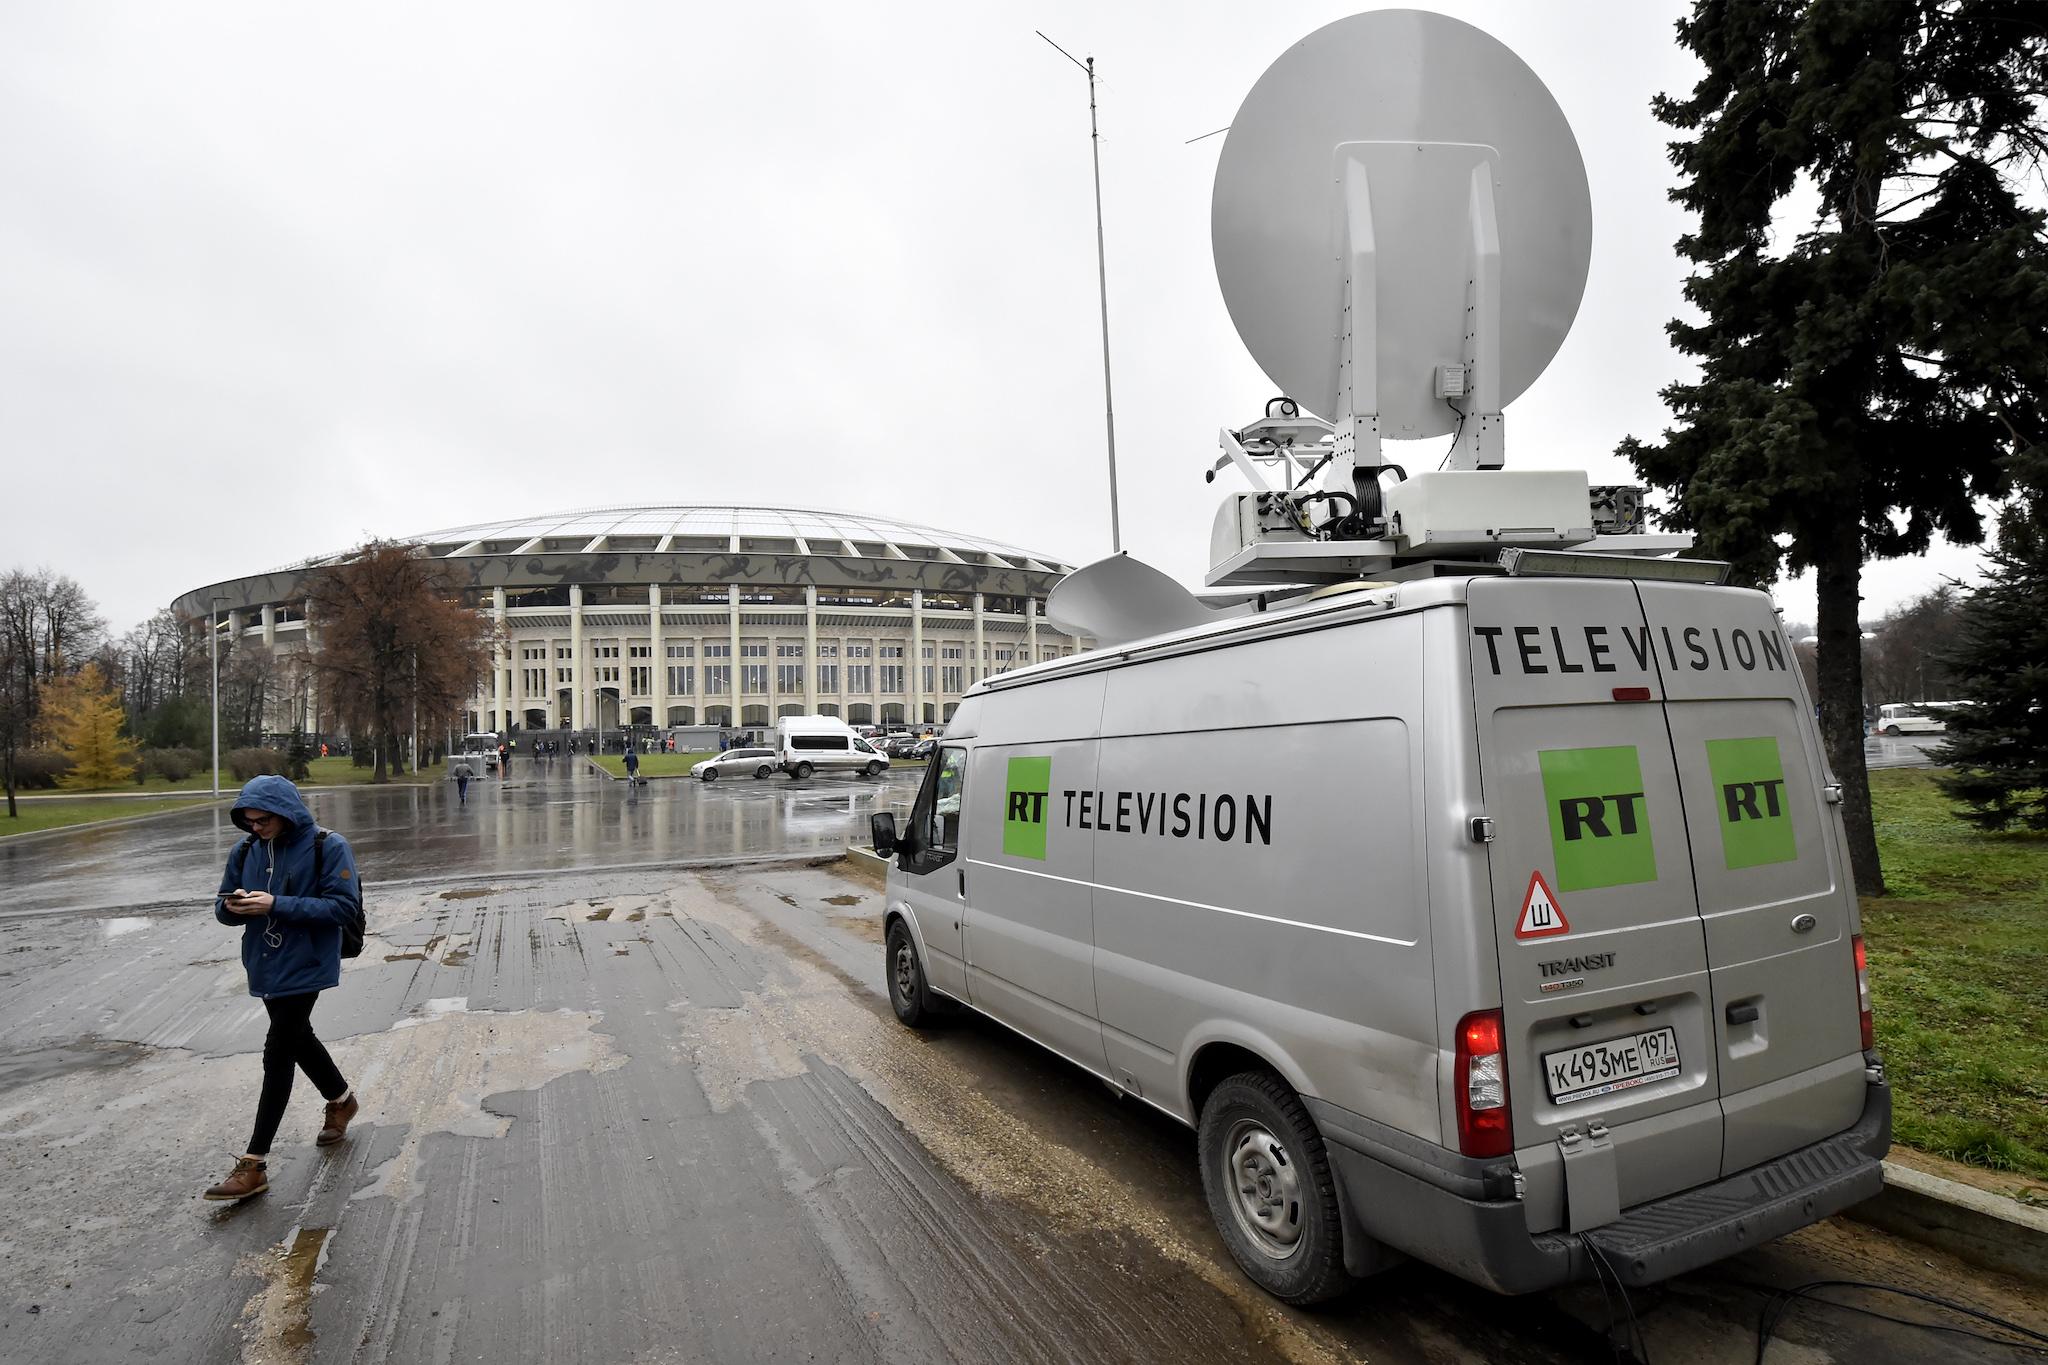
[700, 616]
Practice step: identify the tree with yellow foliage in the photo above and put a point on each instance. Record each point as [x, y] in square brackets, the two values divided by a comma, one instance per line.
[84, 716]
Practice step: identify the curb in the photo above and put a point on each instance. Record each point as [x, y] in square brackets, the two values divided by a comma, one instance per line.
[201, 802]
[1987, 1230]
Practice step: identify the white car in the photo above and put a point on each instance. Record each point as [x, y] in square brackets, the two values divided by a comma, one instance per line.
[1900, 719]
[737, 763]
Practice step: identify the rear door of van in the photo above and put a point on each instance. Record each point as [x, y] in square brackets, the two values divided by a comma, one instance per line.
[1767, 857]
[1607, 1000]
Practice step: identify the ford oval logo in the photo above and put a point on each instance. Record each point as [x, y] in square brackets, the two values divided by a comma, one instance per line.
[1803, 924]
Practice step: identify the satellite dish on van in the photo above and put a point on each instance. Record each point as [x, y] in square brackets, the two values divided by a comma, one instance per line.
[1119, 599]
[1424, 148]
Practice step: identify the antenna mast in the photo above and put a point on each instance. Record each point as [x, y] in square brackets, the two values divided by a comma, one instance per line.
[1116, 540]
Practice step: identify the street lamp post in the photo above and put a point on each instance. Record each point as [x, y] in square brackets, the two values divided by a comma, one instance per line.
[213, 670]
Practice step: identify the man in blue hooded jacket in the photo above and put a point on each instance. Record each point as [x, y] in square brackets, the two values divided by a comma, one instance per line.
[291, 949]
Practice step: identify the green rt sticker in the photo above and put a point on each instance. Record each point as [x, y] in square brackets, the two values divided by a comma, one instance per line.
[1599, 821]
[1024, 800]
[1749, 791]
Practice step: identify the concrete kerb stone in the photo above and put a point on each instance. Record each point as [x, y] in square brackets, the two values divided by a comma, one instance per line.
[1973, 1225]
[58, 831]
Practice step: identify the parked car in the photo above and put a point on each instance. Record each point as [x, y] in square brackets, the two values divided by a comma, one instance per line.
[923, 748]
[736, 763]
[1899, 718]
[899, 746]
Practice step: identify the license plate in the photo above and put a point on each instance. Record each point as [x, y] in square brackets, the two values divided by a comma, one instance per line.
[1583, 1073]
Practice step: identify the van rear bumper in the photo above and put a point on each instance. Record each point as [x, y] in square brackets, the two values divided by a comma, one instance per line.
[1488, 1241]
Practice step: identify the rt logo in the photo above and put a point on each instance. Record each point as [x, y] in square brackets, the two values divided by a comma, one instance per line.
[1740, 799]
[1584, 815]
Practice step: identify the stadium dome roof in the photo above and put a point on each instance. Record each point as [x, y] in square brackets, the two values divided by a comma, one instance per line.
[677, 526]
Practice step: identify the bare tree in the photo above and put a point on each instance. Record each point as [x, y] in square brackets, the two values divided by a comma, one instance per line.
[1903, 659]
[48, 626]
[395, 641]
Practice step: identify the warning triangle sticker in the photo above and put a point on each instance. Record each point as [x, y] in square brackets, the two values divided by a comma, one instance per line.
[1541, 916]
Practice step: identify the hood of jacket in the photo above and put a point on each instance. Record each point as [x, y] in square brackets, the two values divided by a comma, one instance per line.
[276, 795]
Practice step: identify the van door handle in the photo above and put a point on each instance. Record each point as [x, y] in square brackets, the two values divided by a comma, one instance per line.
[963, 883]
[1744, 1014]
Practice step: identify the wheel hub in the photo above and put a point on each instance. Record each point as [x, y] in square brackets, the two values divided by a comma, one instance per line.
[1265, 1189]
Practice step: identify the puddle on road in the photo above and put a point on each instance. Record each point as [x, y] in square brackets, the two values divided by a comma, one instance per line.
[277, 1324]
[39, 1064]
[125, 924]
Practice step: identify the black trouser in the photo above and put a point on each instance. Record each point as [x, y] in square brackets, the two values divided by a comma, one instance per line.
[290, 1045]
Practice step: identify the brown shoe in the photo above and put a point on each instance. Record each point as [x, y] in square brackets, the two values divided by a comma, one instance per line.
[249, 1177]
[336, 1127]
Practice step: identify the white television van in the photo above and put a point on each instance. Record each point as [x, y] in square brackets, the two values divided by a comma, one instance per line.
[1497, 921]
[810, 744]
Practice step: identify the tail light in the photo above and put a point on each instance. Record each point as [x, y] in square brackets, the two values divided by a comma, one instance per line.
[1863, 995]
[1482, 1081]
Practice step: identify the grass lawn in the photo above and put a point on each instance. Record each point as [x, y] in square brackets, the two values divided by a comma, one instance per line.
[57, 814]
[654, 765]
[323, 772]
[1959, 979]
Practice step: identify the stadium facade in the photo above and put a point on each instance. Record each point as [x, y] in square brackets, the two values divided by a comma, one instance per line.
[698, 615]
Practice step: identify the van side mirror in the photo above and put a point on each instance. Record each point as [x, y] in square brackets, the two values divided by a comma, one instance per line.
[882, 829]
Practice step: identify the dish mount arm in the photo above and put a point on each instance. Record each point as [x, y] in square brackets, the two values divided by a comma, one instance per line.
[1441, 191]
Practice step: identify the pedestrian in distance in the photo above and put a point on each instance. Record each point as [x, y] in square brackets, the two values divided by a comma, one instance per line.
[292, 888]
[632, 765]
[462, 776]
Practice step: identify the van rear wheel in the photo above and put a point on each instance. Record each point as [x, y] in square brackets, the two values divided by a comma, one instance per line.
[801, 770]
[908, 995]
[1267, 1179]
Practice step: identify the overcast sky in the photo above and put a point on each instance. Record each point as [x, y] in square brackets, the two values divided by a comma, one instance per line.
[274, 279]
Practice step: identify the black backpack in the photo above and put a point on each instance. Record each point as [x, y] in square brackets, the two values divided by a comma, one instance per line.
[352, 930]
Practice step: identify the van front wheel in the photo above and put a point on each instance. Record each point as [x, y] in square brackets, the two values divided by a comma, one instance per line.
[1267, 1179]
[908, 995]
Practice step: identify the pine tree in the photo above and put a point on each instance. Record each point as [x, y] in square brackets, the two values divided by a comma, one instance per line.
[1997, 748]
[85, 717]
[1861, 383]
[298, 757]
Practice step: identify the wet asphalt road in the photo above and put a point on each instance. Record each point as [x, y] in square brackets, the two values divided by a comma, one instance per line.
[541, 816]
[667, 1116]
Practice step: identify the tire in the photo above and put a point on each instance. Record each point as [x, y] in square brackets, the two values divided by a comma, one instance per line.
[710, 774]
[873, 770]
[908, 995]
[763, 771]
[1892, 730]
[1267, 1178]
[801, 770]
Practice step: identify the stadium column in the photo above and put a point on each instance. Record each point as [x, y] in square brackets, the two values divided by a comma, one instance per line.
[657, 671]
[915, 715]
[580, 665]
[974, 674]
[501, 660]
[269, 626]
[309, 646]
[810, 649]
[1031, 630]
[732, 597]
